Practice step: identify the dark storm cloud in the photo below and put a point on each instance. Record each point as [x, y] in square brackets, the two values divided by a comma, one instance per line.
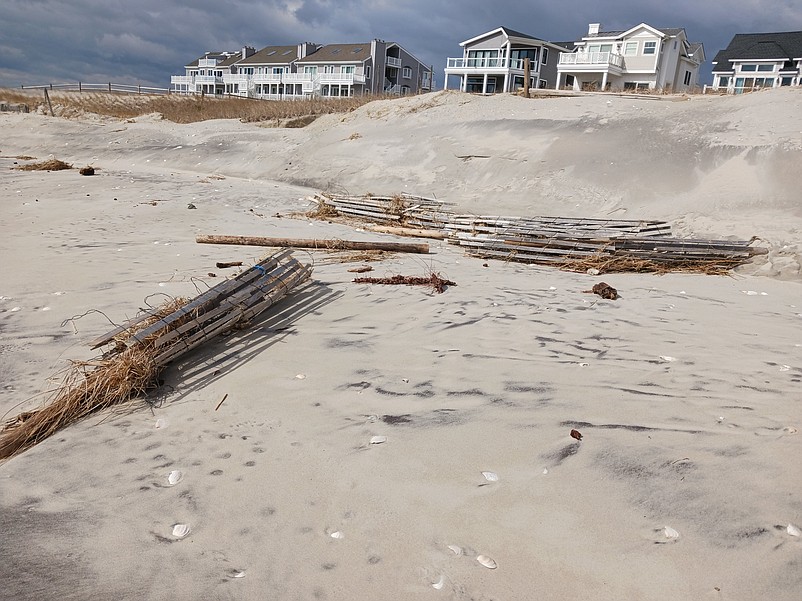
[44, 41]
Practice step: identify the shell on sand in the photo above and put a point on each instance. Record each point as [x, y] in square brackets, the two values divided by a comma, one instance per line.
[455, 549]
[378, 439]
[793, 530]
[337, 534]
[670, 533]
[487, 562]
[174, 477]
[439, 584]
[490, 476]
[181, 530]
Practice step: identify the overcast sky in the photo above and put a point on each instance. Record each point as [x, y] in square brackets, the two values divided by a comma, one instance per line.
[146, 41]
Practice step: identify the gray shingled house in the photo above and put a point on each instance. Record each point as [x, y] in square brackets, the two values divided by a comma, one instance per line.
[754, 61]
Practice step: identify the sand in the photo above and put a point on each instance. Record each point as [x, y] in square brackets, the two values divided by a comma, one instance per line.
[686, 389]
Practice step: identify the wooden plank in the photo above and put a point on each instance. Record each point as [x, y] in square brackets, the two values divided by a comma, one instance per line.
[315, 244]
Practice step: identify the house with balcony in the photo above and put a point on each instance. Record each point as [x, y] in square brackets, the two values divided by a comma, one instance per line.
[205, 75]
[306, 70]
[494, 62]
[375, 67]
[755, 61]
[640, 58]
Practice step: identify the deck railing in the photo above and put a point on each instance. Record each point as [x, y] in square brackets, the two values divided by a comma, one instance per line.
[488, 63]
[592, 59]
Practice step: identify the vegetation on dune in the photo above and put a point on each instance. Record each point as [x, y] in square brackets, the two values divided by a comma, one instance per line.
[184, 108]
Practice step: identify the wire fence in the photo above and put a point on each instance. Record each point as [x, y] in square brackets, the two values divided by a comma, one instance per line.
[99, 87]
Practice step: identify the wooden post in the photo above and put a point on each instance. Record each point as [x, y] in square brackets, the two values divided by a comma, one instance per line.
[527, 75]
[79, 87]
[50, 106]
[312, 243]
[109, 86]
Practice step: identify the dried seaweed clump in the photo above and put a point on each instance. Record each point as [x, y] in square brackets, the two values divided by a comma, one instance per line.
[122, 374]
[614, 264]
[49, 165]
[433, 280]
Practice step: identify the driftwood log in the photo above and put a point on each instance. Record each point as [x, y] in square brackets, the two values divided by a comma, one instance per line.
[316, 244]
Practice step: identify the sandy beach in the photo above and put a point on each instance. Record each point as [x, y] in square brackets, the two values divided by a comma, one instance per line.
[686, 390]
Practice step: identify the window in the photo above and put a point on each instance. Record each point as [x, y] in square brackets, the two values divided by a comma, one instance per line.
[723, 81]
[630, 48]
[649, 47]
[406, 73]
[544, 56]
[483, 58]
[520, 54]
[786, 81]
[542, 84]
[765, 68]
[748, 67]
[367, 71]
[687, 79]
[404, 90]
[347, 69]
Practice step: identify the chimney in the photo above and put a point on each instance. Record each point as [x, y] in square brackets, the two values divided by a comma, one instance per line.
[306, 48]
[248, 51]
[593, 29]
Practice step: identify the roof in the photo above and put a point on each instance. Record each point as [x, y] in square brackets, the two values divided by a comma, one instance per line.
[339, 53]
[218, 55]
[783, 45]
[510, 33]
[271, 55]
[669, 31]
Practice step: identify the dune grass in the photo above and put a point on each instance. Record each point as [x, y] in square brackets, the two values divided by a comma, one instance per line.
[183, 108]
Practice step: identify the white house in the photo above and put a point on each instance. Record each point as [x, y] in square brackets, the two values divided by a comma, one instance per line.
[494, 62]
[640, 58]
[305, 70]
[754, 61]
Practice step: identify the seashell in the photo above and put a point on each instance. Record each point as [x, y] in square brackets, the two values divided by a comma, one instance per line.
[300, 377]
[790, 430]
[793, 530]
[584, 364]
[161, 423]
[15, 309]
[45, 308]
[439, 584]
[174, 477]
[378, 439]
[490, 476]
[487, 562]
[782, 367]
[545, 471]
[337, 534]
[456, 550]
[670, 533]
[749, 292]
[180, 530]
[667, 358]
[593, 271]
[236, 574]
[552, 287]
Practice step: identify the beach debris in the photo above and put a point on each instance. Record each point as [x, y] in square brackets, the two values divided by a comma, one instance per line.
[191, 206]
[576, 434]
[667, 358]
[490, 476]
[227, 264]
[88, 170]
[434, 280]
[785, 367]
[592, 246]
[174, 477]
[457, 550]
[337, 535]
[361, 269]
[49, 165]
[378, 439]
[311, 243]
[439, 584]
[181, 530]
[225, 396]
[300, 376]
[790, 430]
[604, 290]
[670, 533]
[161, 423]
[234, 573]
[545, 471]
[487, 562]
[142, 347]
[793, 530]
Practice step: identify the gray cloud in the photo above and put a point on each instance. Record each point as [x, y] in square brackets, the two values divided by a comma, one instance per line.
[51, 41]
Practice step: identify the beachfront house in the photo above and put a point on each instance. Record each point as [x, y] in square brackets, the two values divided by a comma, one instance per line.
[494, 62]
[307, 70]
[754, 61]
[375, 67]
[640, 58]
[205, 75]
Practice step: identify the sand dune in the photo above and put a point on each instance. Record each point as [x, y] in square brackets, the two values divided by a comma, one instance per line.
[685, 389]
